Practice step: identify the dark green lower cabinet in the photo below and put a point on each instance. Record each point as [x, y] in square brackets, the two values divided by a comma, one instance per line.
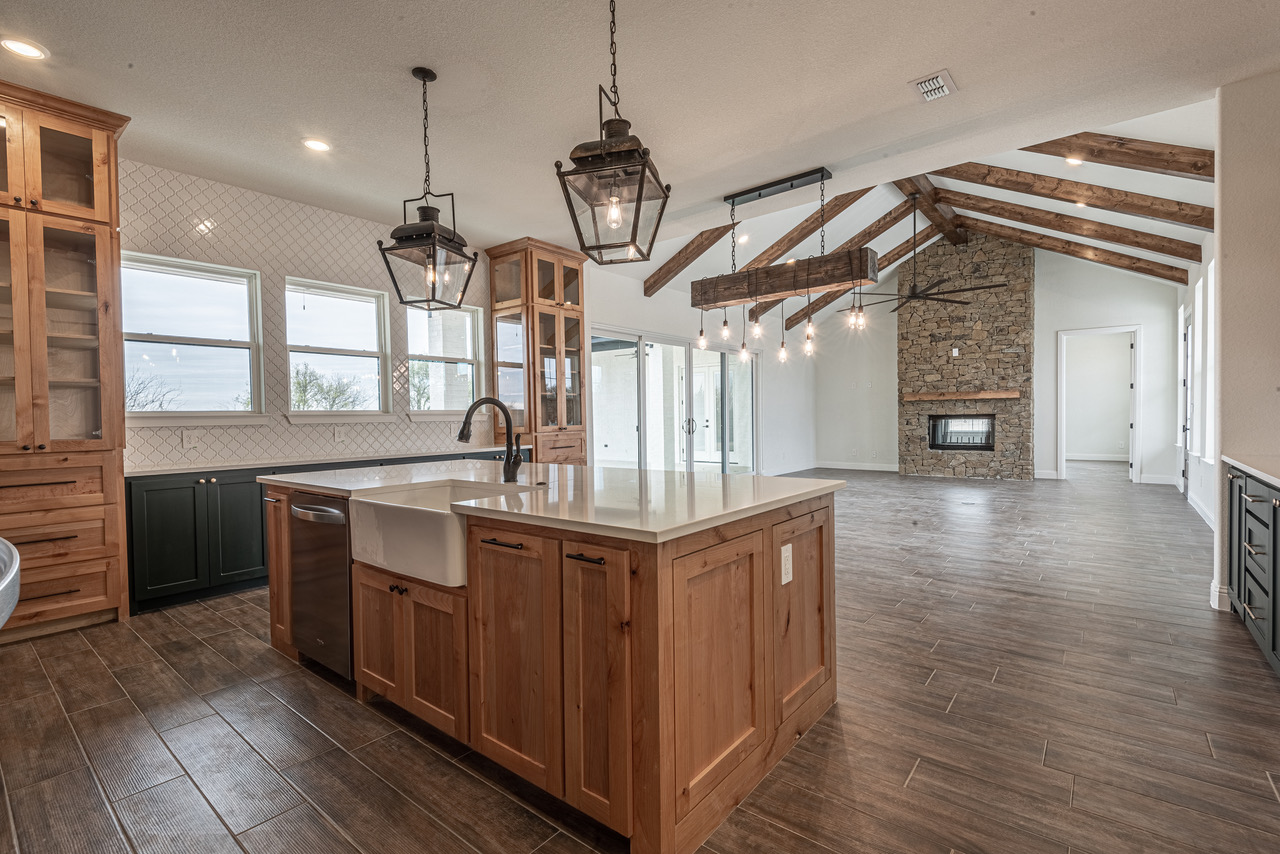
[1253, 570]
[192, 532]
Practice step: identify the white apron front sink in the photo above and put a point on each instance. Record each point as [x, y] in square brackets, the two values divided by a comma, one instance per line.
[8, 579]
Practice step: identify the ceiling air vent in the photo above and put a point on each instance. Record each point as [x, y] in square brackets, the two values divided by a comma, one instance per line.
[935, 86]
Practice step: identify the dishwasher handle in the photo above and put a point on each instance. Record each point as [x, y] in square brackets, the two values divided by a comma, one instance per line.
[323, 515]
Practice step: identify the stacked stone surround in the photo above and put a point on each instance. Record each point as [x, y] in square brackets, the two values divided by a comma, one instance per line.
[995, 336]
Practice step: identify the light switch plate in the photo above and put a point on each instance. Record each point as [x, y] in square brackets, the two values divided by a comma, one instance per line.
[190, 439]
[787, 569]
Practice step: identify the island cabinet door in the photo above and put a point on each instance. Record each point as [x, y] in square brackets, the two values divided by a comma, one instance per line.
[514, 599]
[720, 686]
[597, 682]
[277, 504]
[803, 629]
[377, 614]
[435, 683]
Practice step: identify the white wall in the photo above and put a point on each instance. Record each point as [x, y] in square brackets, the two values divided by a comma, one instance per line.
[785, 411]
[857, 389]
[1098, 397]
[1076, 294]
[1202, 469]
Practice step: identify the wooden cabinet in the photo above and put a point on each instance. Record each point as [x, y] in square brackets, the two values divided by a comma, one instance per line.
[280, 598]
[537, 293]
[803, 612]
[597, 682]
[410, 642]
[61, 350]
[195, 532]
[514, 595]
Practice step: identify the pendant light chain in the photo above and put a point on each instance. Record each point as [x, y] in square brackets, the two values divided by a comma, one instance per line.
[613, 54]
[426, 143]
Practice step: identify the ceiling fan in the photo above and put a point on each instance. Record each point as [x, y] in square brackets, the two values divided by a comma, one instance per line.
[930, 292]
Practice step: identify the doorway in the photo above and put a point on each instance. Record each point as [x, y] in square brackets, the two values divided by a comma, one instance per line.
[665, 404]
[1098, 393]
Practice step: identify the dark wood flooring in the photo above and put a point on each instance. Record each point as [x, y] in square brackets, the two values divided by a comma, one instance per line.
[1023, 668]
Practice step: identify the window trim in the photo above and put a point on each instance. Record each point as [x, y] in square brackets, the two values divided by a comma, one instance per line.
[256, 414]
[476, 316]
[383, 354]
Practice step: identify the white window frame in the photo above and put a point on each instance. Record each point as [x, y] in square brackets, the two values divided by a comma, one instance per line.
[476, 316]
[379, 299]
[256, 414]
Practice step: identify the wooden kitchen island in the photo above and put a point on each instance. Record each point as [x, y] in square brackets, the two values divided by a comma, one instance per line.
[644, 645]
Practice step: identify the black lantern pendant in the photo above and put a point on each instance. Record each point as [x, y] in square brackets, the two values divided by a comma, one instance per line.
[613, 191]
[428, 261]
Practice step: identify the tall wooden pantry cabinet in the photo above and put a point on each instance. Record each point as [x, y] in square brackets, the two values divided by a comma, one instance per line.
[538, 346]
[61, 361]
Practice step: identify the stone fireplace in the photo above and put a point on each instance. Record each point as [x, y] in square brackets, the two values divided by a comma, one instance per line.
[970, 362]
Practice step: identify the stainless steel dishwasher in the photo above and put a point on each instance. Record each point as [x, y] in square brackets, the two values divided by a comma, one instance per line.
[320, 585]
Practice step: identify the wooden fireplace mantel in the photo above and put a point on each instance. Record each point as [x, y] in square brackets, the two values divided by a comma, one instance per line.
[999, 394]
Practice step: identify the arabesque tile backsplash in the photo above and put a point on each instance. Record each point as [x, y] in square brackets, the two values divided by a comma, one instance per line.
[160, 211]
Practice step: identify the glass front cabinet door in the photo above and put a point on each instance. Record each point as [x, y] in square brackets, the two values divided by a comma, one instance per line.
[16, 428]
[557, 282]
[67, 167]
[12, 186]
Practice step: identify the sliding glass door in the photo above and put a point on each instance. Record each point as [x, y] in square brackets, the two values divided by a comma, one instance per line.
[668, 405]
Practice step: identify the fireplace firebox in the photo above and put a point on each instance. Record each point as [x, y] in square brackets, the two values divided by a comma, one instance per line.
[962, 432]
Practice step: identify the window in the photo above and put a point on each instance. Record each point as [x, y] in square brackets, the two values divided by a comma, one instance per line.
[442, 359]
[192, 336]
[337, 347]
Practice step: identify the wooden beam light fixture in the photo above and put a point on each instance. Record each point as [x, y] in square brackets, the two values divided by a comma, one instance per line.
[837, 271]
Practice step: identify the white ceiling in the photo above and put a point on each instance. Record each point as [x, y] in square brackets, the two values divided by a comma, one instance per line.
[726, 94]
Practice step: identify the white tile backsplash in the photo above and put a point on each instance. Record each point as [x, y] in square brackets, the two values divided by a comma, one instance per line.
[159, 213]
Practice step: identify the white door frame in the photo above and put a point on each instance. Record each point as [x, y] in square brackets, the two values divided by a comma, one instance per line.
[1135, 395]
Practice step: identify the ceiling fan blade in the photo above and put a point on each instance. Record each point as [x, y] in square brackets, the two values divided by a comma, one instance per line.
[940, 299]
[935, 284]
[883, 301]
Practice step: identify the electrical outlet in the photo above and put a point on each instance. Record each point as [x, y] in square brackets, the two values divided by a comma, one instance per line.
[875, 454]
[854, 452]
[340, 434]
[190, 439]
[788, 569]
[1120, 445]
[869, 385]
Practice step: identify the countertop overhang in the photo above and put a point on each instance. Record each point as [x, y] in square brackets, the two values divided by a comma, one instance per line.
[630, 504]
[1265, 466]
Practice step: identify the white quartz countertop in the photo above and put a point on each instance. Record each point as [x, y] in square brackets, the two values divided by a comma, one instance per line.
[214, 465]
[647, 506]
[1265, 466]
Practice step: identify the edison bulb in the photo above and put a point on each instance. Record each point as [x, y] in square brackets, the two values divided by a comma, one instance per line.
[431, 274]
[808, 348]
[756, 330]
[862, 319]
[702, 340]
[614, 217]
[724, 330]
[853, 319]
[782, 352]
[743, 354]
[809, 329]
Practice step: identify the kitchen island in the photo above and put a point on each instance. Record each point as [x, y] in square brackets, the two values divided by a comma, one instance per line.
[645, 645]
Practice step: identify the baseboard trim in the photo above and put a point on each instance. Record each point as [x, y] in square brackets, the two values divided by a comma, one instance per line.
[1050, 474]
[1219, 597]
[1160, 479]
[1203, 511]
[1101, 458]
[848, 466]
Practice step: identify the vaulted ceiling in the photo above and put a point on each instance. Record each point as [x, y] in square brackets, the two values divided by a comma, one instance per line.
[726, 94]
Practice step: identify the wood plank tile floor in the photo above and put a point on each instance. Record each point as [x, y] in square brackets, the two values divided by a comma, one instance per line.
[1023, 667]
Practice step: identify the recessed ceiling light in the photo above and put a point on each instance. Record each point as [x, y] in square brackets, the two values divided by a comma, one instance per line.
[1074, 161]
[1081, 205]
[316, 145]
[30, 50]
[742, 239]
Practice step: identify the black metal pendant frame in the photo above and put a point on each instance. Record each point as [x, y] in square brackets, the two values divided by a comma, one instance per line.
[438, 237]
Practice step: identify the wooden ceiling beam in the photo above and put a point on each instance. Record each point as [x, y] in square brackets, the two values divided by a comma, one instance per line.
[862, 238]
[778, 281]
[894, 255]
[1162, 158]
[1091, 195]
[1073, 225]
[941, 215]
[677, 263]
[1167, 272]
[802, 232]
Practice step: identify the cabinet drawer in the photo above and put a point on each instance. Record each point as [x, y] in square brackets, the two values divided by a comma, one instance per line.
[59, 536]
[1257, 548]
[80, 481]
[1257, 613]
[1258, 498]
[570, 448]
[51, 592]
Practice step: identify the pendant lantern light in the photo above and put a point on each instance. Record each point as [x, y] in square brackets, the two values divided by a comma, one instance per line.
[613, 191]
[428, 261]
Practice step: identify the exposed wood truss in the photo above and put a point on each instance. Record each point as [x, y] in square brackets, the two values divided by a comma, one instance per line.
[678, 262]
[806, 229]
[893, 256]
[1077, 250]
[1091, 195]
[808, 276]
[862, 238]
[1161, 158]
[1072, 225]
[941, 215]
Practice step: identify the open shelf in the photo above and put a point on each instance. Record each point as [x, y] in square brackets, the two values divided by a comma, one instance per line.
[74, 383]
[84, 300]
[72, 341]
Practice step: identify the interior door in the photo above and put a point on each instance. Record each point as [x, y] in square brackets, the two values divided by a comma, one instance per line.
[1188, 402]
[706, 376]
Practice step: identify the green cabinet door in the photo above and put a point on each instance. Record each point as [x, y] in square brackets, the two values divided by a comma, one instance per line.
[1235, 537]
[168, 530]
[237, 530]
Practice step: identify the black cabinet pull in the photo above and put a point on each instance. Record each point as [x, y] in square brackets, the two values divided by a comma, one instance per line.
[560, 447]
[40, 447]
[26, 447]
[45, 540]
[598, 561]
[35, 485]
[50, 595]
[495, 542]
[396, 588]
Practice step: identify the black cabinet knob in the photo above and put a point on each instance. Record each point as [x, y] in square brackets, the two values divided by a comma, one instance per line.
[40, 447]
[17, 200]
[26, 447]
[34, 202]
